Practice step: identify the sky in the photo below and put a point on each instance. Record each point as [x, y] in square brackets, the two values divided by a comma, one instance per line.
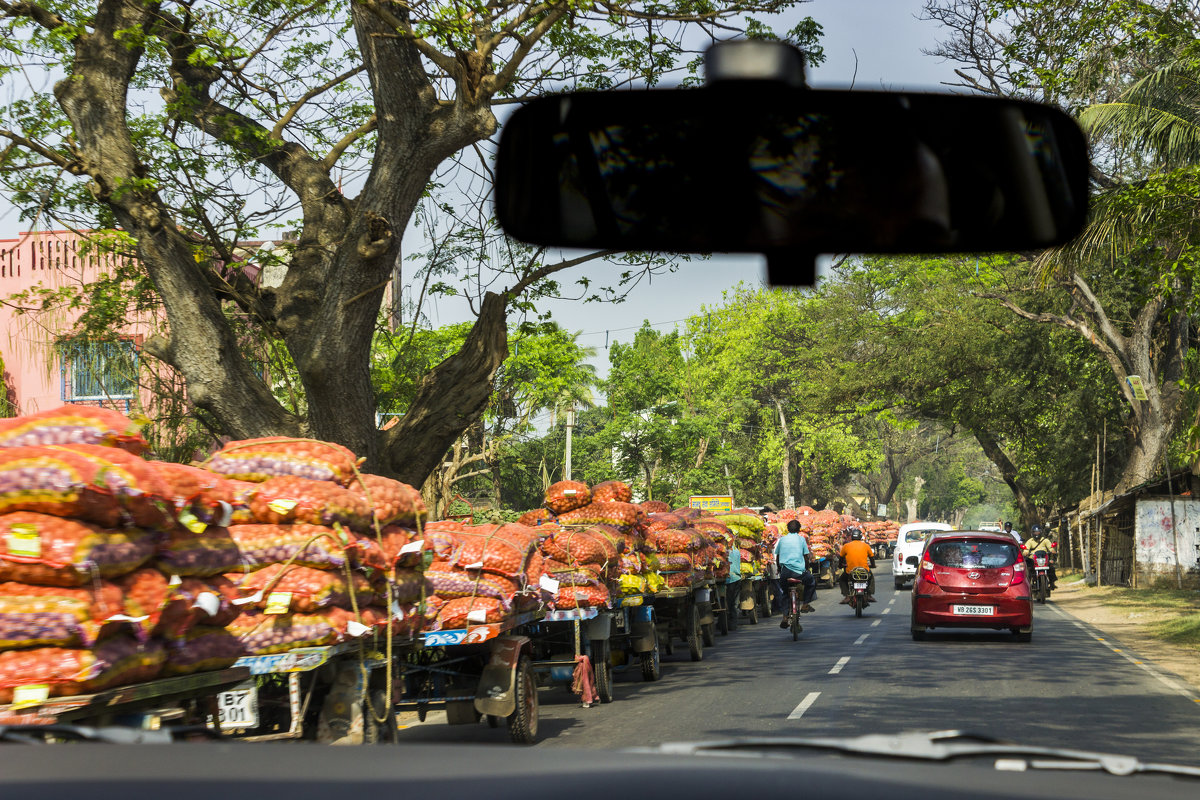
[872, 44]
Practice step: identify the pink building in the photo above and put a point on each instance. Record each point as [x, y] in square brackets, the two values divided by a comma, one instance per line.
[43, 367]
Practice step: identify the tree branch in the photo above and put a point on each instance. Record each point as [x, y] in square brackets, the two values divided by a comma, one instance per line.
[277, 131]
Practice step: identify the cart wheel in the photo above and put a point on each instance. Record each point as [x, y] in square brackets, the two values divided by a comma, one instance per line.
[523, 722]
[709, 634]
[695, 639]
[651, 663]
[602, 667]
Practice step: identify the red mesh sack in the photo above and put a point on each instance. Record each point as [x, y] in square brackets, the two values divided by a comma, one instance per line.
[612, 490]
[139, 490]
[57, 616]
[72, 424]
[53, 551]
[675, 562]
[680, 580]
[202, 649]
[581, 597]
[655, 507]
[670, 540]
[579, 547]
[503, 549]
[536, 517]
[113, 662]
[621, 515]
[567, 496]
[304, 590]
[306, 545]
[391, 501]
[175, 605]
[665, 521]
[470, 611]
[447, 582]
[263, 634]
[58, 482]
[213, 552]
[279, 501]
[568, 575]
[392, 538]
[198, 495]
[276, 456]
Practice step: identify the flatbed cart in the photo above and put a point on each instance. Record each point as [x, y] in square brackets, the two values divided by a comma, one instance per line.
[686, 612]
[184, 700]
[626, 624]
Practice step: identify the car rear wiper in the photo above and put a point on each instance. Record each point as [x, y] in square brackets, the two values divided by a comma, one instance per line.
[45, 734]
[936, 746]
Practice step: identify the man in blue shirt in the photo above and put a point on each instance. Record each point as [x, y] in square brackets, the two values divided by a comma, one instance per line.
[793, 557]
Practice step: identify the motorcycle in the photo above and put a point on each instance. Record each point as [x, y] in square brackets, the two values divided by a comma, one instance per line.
[1041, 576]
[858, 580]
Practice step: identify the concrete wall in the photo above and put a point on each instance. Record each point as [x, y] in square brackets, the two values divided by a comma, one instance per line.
[1158, 536]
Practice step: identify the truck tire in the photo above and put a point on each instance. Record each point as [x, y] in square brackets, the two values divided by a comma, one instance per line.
[651, 662]
[523, 722]
[602, 668]
[695, 640]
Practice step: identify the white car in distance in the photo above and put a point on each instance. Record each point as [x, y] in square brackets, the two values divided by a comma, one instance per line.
[910, 542]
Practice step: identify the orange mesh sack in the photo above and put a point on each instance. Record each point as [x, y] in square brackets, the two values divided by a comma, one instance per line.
[56, 616]
[175, 605]
[140, 491]
[58, 482]
[113, 662]
[390, 501]
[307, 590]
[569, 597]
[470, 611]
[620, 515]
[536, 517]
[503, 549]
[257, 460]
[567, 496]
[612, 490]
[202, 649]
[284, 500]
[203, 495]
[53, 551]
[306, 545]
[72, 424]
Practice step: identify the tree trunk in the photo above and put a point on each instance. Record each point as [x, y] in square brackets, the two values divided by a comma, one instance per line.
[1009, 472]
[786, 466]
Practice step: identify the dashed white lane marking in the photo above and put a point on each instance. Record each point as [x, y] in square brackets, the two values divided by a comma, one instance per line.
[862, 638]
[1163, 679]
[875, 624]
[799, 710]
[890, 602]
[838, 666]
[886, 610]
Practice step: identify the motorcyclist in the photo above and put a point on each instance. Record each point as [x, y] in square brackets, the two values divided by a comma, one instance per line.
[856, 553]
[793, 557]
[1040, 542]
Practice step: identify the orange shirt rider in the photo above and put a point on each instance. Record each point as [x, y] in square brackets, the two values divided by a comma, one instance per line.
[857, 553]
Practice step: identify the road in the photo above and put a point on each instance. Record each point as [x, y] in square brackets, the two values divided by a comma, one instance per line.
[846, 676]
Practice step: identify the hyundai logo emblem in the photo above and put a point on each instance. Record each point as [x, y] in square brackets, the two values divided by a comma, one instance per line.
[972, 574]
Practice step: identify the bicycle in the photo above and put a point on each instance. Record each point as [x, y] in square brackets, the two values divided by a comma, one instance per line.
[795, 587]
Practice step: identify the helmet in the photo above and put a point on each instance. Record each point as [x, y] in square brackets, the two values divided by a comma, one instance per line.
[1037, 528]
[855, 533]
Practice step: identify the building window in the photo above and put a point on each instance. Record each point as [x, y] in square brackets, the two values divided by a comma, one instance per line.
[98, 370]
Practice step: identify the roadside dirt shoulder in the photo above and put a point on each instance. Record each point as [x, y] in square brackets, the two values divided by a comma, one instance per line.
[1127, 625]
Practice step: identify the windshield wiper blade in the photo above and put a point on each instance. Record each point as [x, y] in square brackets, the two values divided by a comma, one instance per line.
[937, 746]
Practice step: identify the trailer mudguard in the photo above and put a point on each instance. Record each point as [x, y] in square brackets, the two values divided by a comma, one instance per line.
[600, 627]
[496, 693]
[642, 636]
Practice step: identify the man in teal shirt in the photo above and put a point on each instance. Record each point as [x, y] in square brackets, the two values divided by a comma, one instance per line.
[792, 555]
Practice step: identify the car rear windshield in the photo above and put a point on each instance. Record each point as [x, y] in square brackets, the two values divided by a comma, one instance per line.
[988, 555]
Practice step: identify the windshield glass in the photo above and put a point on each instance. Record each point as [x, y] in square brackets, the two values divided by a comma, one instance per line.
[292, 430]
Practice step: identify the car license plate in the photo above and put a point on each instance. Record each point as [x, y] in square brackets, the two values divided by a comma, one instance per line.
[860, 584]
[975, 611]
[238, 708]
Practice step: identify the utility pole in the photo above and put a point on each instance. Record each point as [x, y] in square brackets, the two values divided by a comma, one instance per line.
[570, 426]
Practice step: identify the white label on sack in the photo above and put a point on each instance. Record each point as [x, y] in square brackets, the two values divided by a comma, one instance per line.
[208, 602]
[126, 618]
[254, 598]
[356, 629]
[476, 565]
[570, 491]
[549, 584]
[278, 603]
[477, 615]
[413, 546]
[397, 611]
[30, 695]
[226, 516]
[175, 581]
[282, 506]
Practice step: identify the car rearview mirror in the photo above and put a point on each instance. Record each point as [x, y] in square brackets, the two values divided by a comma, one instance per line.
[763, 167]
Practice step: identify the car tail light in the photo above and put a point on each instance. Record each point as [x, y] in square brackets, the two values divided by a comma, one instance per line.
[927, 571]
[1018, 575]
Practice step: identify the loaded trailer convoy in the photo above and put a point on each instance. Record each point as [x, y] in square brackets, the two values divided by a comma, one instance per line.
[277, 591]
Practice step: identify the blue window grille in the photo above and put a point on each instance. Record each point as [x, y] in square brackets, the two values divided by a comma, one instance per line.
[98, 371]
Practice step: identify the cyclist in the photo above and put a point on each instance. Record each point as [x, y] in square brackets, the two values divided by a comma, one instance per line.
[1040, 542]
[856, 553]
[793, 557]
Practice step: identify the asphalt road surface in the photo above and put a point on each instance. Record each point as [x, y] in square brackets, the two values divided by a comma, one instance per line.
[846, 676]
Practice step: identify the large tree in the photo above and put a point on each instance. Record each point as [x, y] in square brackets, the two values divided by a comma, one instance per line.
[190, 126]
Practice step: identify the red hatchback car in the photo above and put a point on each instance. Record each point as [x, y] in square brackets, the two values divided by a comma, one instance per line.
[971, 579]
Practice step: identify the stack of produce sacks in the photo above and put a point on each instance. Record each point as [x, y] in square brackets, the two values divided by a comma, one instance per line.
[881, 532]
[594, 538]
[748, 531]
[470, 574]
[722, 539]
[79, 511]
[308, 530]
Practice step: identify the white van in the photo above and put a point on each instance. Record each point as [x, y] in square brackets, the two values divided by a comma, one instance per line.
[910, 542]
